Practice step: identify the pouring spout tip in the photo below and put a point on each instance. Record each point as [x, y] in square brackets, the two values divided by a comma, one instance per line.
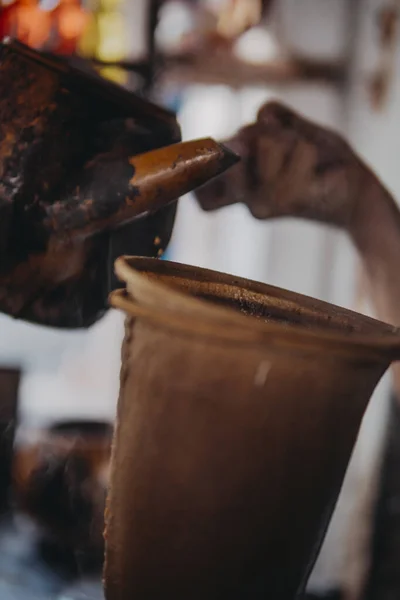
[230, 158]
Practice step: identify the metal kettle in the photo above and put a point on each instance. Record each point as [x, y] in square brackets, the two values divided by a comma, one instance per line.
[88, 171]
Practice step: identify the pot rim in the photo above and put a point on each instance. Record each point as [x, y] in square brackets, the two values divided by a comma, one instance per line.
[176, 309]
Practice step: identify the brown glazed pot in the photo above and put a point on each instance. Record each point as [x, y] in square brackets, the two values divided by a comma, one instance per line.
[239, 407]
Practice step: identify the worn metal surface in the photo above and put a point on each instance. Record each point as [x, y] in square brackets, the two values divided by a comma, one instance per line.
[67, 147]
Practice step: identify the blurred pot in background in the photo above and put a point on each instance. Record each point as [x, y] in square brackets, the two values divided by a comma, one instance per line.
[60, 478]
[9, 388]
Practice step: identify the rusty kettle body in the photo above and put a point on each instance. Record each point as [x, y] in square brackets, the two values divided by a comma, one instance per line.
[77, 169]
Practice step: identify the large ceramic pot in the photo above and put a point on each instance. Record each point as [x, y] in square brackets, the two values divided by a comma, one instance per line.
[239, 407]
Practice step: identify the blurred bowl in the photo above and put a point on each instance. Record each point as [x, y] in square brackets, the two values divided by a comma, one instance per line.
[60, 478]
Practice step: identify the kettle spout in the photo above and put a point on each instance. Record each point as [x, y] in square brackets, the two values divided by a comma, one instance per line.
[114, 191]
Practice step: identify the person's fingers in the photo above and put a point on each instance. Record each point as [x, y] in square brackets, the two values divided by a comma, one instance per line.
[274, 161]
[228, 188]
[290, 166]
[319, 171]
[277, 116]
[278, 119]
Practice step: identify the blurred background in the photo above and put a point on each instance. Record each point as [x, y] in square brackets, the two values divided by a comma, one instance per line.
[215, 62]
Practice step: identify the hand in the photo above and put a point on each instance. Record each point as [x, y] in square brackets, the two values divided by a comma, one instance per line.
[289, 167]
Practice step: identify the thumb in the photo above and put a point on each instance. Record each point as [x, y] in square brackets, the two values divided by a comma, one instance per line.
[234, 185]
[227, 188]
